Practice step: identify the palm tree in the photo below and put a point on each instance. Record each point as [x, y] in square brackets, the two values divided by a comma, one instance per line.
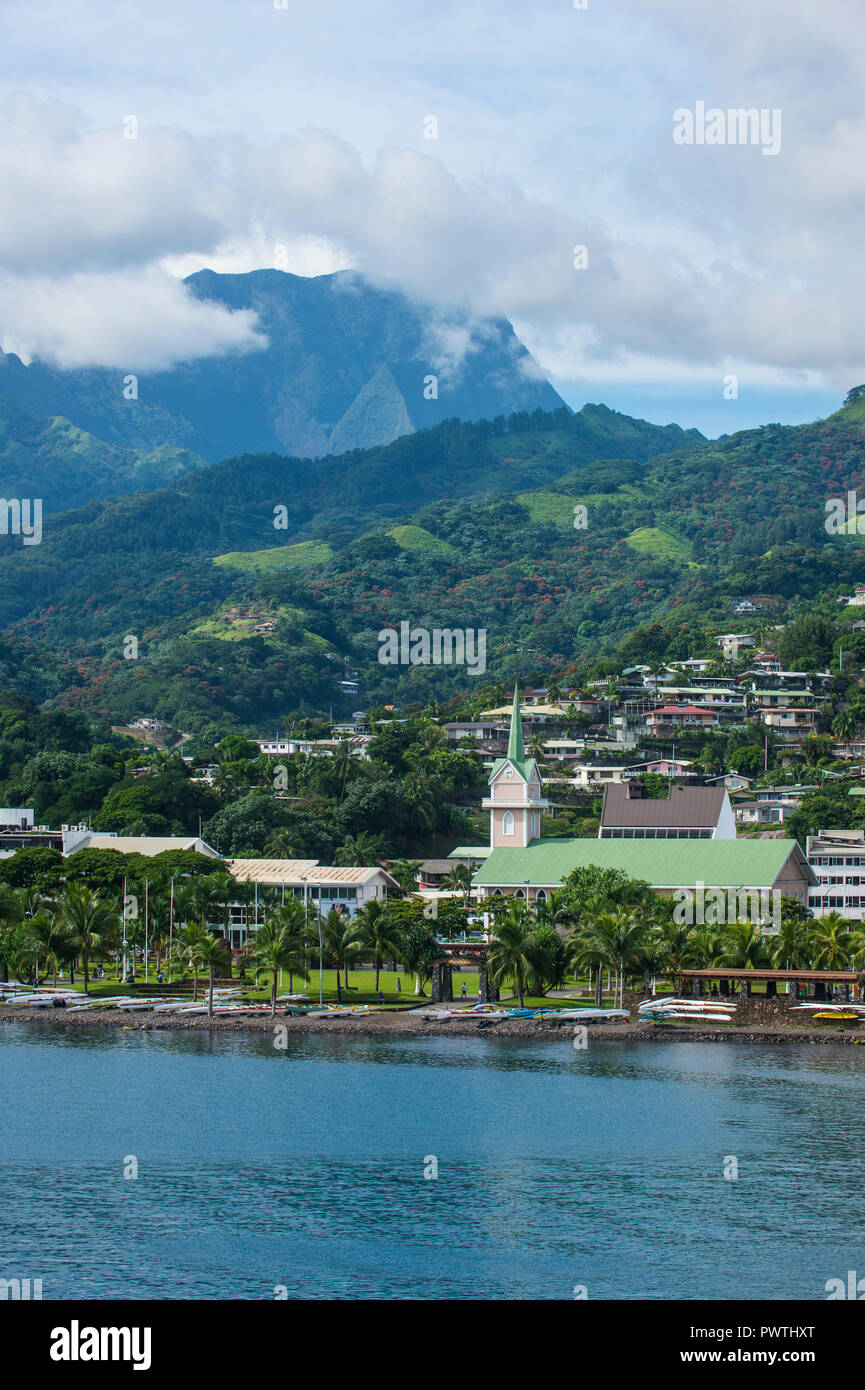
[742, 944]
[88, 918]
[274, 949]
[789, 949]
[342, 764]
[339, 944]
[10, 916]
[609, 940]
[290, 917]
[211, 952]
[460, 880]
[535, 748]
[185, 949]
[829, 942]
[405, 872]
[50, 940]
[282, 844]
[844, 725]
[362, 850]
[514, 952]
[243, 893]
[677, 948]
[377, 933]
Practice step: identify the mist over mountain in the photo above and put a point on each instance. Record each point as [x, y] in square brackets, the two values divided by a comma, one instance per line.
[346, 365]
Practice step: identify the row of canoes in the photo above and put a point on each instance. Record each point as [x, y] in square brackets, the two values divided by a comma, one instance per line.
[492, 1013]
[668, 1010]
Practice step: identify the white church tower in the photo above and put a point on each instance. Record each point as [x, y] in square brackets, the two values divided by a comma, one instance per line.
[515, 802]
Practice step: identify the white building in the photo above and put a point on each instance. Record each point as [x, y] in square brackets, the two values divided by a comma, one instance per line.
[318, 887]
[837, 857]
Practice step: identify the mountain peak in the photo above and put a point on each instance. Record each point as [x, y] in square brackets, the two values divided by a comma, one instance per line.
[347, 364]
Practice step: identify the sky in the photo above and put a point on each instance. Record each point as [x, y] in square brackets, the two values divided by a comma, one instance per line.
[462, 151]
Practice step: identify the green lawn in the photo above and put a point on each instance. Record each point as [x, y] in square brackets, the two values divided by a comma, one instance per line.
[361, 987]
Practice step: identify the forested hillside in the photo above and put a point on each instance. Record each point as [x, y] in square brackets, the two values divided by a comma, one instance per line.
[243, 624]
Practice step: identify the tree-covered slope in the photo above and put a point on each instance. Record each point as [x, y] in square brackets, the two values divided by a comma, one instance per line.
[64, 466]
[461, 526]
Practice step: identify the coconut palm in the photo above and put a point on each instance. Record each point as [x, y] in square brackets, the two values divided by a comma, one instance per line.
[184, 949]
[829, 942]
[857, 950]
[460, 880]
[788, 950]
[274, 949]
[377, 933]
[342, 765]
[363, 849]
[290, 917]
[536, 749]
[677, 948]
[608, 940]
[88, 919]
[742, 945]
[405, 871]
[50, 939]
[844, 724]
[282, 844]
[515, 953]
[10, 916]
[211, 953]
[339, 944]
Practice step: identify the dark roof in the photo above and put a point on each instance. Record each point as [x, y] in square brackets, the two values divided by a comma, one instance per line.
[741, 972]
[696, 807]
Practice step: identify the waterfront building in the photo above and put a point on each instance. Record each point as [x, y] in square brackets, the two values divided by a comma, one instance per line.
[523, 864]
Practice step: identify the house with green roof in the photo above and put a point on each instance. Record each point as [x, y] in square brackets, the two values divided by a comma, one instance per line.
[522, 864]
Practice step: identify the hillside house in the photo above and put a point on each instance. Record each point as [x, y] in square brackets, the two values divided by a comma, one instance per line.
[686, 813]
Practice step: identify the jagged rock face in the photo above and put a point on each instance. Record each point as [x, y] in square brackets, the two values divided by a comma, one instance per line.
[347, 365]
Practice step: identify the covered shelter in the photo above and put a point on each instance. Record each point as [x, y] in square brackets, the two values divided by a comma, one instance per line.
[818, 985]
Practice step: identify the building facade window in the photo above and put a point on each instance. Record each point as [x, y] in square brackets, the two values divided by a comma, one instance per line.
[508, 823]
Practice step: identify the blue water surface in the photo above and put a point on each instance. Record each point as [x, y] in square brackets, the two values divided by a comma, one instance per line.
[304, 1169]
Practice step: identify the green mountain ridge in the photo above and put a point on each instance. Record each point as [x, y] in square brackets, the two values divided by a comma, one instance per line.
[65, 466]
[673, 539]
[339, 363]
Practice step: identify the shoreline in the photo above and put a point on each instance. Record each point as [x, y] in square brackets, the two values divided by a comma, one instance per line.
[409, 1024]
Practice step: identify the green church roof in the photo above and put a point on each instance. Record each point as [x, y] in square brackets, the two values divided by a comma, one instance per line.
[661, 863]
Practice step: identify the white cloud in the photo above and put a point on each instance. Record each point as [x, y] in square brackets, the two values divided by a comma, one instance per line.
[303, 130]
[139, 322]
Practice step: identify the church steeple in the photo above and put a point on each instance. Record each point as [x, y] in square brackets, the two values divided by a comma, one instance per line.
[516, 751]
[515, 800]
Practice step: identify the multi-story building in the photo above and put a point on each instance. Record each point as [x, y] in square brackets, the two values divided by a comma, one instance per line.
[837, 858]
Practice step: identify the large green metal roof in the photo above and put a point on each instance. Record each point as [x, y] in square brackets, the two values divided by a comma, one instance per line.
[662, 863]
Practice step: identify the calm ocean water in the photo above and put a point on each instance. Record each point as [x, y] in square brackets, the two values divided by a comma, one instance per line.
[305, 1168]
